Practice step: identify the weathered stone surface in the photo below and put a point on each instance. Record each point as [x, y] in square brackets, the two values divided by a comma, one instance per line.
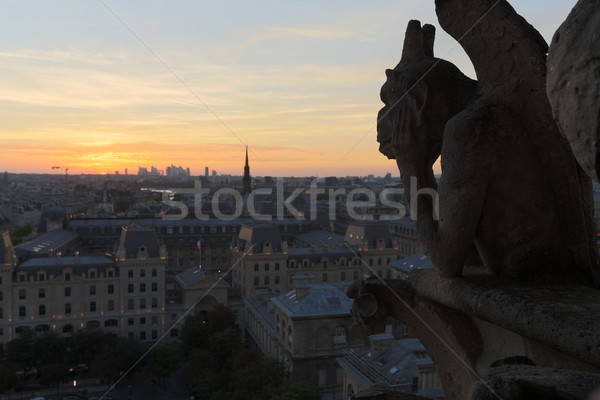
[510, 183]
[574, 83]
[524, 382]
[468, 324]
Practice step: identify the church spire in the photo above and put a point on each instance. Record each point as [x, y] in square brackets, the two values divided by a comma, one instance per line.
[246, 181]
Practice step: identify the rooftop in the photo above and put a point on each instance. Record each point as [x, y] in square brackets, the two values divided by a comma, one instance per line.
[324, 299]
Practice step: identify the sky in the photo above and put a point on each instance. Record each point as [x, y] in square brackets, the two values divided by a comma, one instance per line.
[98, 86]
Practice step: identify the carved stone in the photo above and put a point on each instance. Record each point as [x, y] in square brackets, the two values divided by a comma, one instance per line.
[468, 324]
[510, 183]
[526, 326]
[574, 83]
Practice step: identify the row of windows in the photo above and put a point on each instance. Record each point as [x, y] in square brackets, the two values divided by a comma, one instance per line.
[110, 306]
[267, 280]
[142, 287]
[153, 273]
[267, 267]
[110, 289]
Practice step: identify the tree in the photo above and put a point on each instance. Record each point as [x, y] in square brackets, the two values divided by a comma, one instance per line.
[19, 351]
[54, 375]
[49, 348]
[163, 362]
[8, 377]
[194, 333]
[296, 389]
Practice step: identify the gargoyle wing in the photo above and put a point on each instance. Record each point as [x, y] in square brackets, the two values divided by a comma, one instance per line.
[508, 54]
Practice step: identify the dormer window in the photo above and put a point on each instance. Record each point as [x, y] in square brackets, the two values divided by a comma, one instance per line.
[142, 252]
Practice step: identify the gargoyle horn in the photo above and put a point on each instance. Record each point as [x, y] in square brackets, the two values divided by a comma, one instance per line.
[418, 42]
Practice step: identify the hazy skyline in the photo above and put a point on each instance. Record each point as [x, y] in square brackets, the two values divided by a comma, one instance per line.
[82, 84]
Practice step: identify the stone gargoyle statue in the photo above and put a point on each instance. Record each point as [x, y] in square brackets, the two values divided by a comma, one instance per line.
[510, 184]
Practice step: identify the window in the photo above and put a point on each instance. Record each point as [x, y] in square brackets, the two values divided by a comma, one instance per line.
[93, 290]
[21, 294]
[256, 281]
[111, 289]
[142, 303]
[130, 288]
[1, 296]
[325, 264]
[267, 280]
[266, 266]
[370, 262]
[111, 273]
[67, 308]
[324, 276]
[130, 305]
[142, 273]
[111, 305]
[142, 320]
[142, 287]
[142, 335]
[67, 276]
[22, 311]
[41, 310]
[154, 334]
[379, 261]
[1, 313]
[154, 302]
[255, 267]
[130, 273]
[130, 321]
[276, 266]
[277, 280]
[41, 293]
[92, 274]
[92, 306]
[154, 320]
[154, 286]
[41, 276]
[154, 272]
[67, 292]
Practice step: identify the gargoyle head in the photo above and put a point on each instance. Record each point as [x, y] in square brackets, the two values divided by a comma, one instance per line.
[419, 94]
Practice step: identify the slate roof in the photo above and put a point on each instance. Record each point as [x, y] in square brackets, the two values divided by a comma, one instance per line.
[371, 231]
[41, 245]
[324, 299]
[136, 235]
[194, 275]
[319, 237]
[411, 263]
[55, 266]
[54, 214]
[256, 234]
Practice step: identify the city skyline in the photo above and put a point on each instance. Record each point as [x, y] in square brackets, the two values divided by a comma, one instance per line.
[102, 86]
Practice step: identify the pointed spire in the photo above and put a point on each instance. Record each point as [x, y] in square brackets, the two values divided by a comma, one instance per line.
[247, 156]
[246, 181]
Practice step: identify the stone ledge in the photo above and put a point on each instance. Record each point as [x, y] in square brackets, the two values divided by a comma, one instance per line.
[563, 317]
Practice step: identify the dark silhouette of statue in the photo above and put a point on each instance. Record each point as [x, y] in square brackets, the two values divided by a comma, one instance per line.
[510, 184]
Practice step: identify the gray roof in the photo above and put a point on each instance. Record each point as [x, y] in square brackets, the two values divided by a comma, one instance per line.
[320, 237]
[256, 235]
[136, 235]
[55, 265]
[369, 231]
[56, 240]
[411, 263]
[395, 366]
[53, 214]
[194, 275]
[324, 299]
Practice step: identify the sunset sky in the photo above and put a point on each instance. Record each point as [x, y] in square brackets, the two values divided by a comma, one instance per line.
[98, 86]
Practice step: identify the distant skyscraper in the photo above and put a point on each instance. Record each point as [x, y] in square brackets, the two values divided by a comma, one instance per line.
[206, 172]
[246, 181]
[214, 173]
[125, 171]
